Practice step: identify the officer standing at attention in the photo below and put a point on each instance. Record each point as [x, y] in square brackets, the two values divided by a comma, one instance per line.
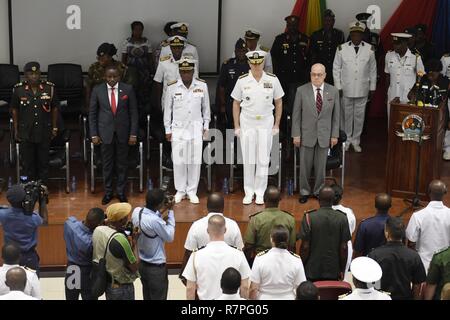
[446, 72]
[34, 106]
[232, 69]
[324, 43]
[426, 49]
[181, 29]
[290, 61]
[365, 273]
[355, 76]
[253, 107]
[401, 68]
[370, 37]
[186, 120]
[169, 32]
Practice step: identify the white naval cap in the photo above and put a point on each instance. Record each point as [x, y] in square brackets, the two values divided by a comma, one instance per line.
[366, 270]
[400, 36]
[252, 34]
[357, 26]
[256, 57]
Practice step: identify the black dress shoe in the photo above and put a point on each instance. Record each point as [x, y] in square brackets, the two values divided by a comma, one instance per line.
[107, 199]
[122, 198]
[303, 199]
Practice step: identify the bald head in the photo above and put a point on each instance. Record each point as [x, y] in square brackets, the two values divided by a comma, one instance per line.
[216, 227]
[383, 202]
[16, 279]
[318, 74]
[326, 197]
[437, 190]
[272, 197]
[215, 203]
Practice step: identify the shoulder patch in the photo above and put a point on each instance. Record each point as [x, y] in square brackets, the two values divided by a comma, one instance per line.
[271, 74]
[262, 253]
[172, 82]
[255, 214]
[18, 85]
[164, 58]
[264, 48]
[243, 76]
[201, 80]
[294, 254]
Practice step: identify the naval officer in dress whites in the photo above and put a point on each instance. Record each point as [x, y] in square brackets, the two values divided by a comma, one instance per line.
[355, 76]
[254, 95]
[186, 121]
[34, 106]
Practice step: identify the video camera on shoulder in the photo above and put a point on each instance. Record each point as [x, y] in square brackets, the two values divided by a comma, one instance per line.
[35, 191]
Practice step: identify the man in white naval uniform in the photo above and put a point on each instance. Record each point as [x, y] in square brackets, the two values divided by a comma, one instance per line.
[186, 121]
[254, 123]
[401, 67]
[366, 272]
[446, 72]
[355, 76]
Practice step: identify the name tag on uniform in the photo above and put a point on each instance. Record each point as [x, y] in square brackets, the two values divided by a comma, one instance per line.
[268, 85]
[178, 97]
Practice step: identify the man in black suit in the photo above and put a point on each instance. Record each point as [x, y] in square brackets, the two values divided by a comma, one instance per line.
[113, 123]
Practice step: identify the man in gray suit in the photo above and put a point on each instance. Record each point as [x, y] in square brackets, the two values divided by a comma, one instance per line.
[113, 123]
[315, 128]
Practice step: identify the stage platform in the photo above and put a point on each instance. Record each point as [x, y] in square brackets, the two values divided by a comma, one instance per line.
[365, 177]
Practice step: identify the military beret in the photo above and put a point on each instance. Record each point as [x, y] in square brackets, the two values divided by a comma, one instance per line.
[118, 211]
[15, 194]
[240, 44]
[329, 13]
[32, 67]
[106, 48]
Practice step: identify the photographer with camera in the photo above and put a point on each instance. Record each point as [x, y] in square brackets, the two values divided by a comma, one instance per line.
[111, 241]
[20, 224]
[154, 225]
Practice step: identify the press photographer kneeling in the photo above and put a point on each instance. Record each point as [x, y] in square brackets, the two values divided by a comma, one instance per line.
[20, 223]
[155, 225]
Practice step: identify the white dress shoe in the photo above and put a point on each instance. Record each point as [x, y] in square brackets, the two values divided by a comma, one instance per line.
[247, 200]
[179, 197]
[193, 199]
[259, 201]
[357, 148]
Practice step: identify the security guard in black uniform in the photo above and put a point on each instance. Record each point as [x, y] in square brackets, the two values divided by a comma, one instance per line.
[35, 112]
[290, 61]
[230, 72]
[412, 41]
[427, 49]
[324, 43]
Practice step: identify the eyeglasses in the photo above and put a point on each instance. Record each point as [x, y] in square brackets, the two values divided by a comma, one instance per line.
[318, 75]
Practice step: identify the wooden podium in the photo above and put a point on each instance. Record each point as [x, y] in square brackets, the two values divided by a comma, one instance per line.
[402, 155]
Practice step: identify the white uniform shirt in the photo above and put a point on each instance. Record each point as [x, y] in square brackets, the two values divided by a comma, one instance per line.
[430, 230]
[278, 273]
[206, 266]
[367, 294]
[187, 111]
[32, 288]
[446, 65]
[230, 297]
[355, 73]
[257, 97]
[168, 72]
[403, 73]
[198, 237]
[16, 295]
[188, 51]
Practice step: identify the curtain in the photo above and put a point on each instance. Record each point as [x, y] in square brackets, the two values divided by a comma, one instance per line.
[314, 19]
[441, 27]
[300, 10]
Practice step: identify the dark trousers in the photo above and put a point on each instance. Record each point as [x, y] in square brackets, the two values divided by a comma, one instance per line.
[30, 259]
[155, 281]
[115, 155]
[120, 291]
[158, 132]
[83, 283]
[35, 159]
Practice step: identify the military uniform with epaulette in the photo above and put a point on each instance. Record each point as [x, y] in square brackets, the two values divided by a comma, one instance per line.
[36, 122]
[261, 224]
[278, 272]
[439, 271]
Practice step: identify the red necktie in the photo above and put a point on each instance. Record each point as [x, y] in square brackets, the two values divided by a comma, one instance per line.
[319, 102]
[113, 101]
